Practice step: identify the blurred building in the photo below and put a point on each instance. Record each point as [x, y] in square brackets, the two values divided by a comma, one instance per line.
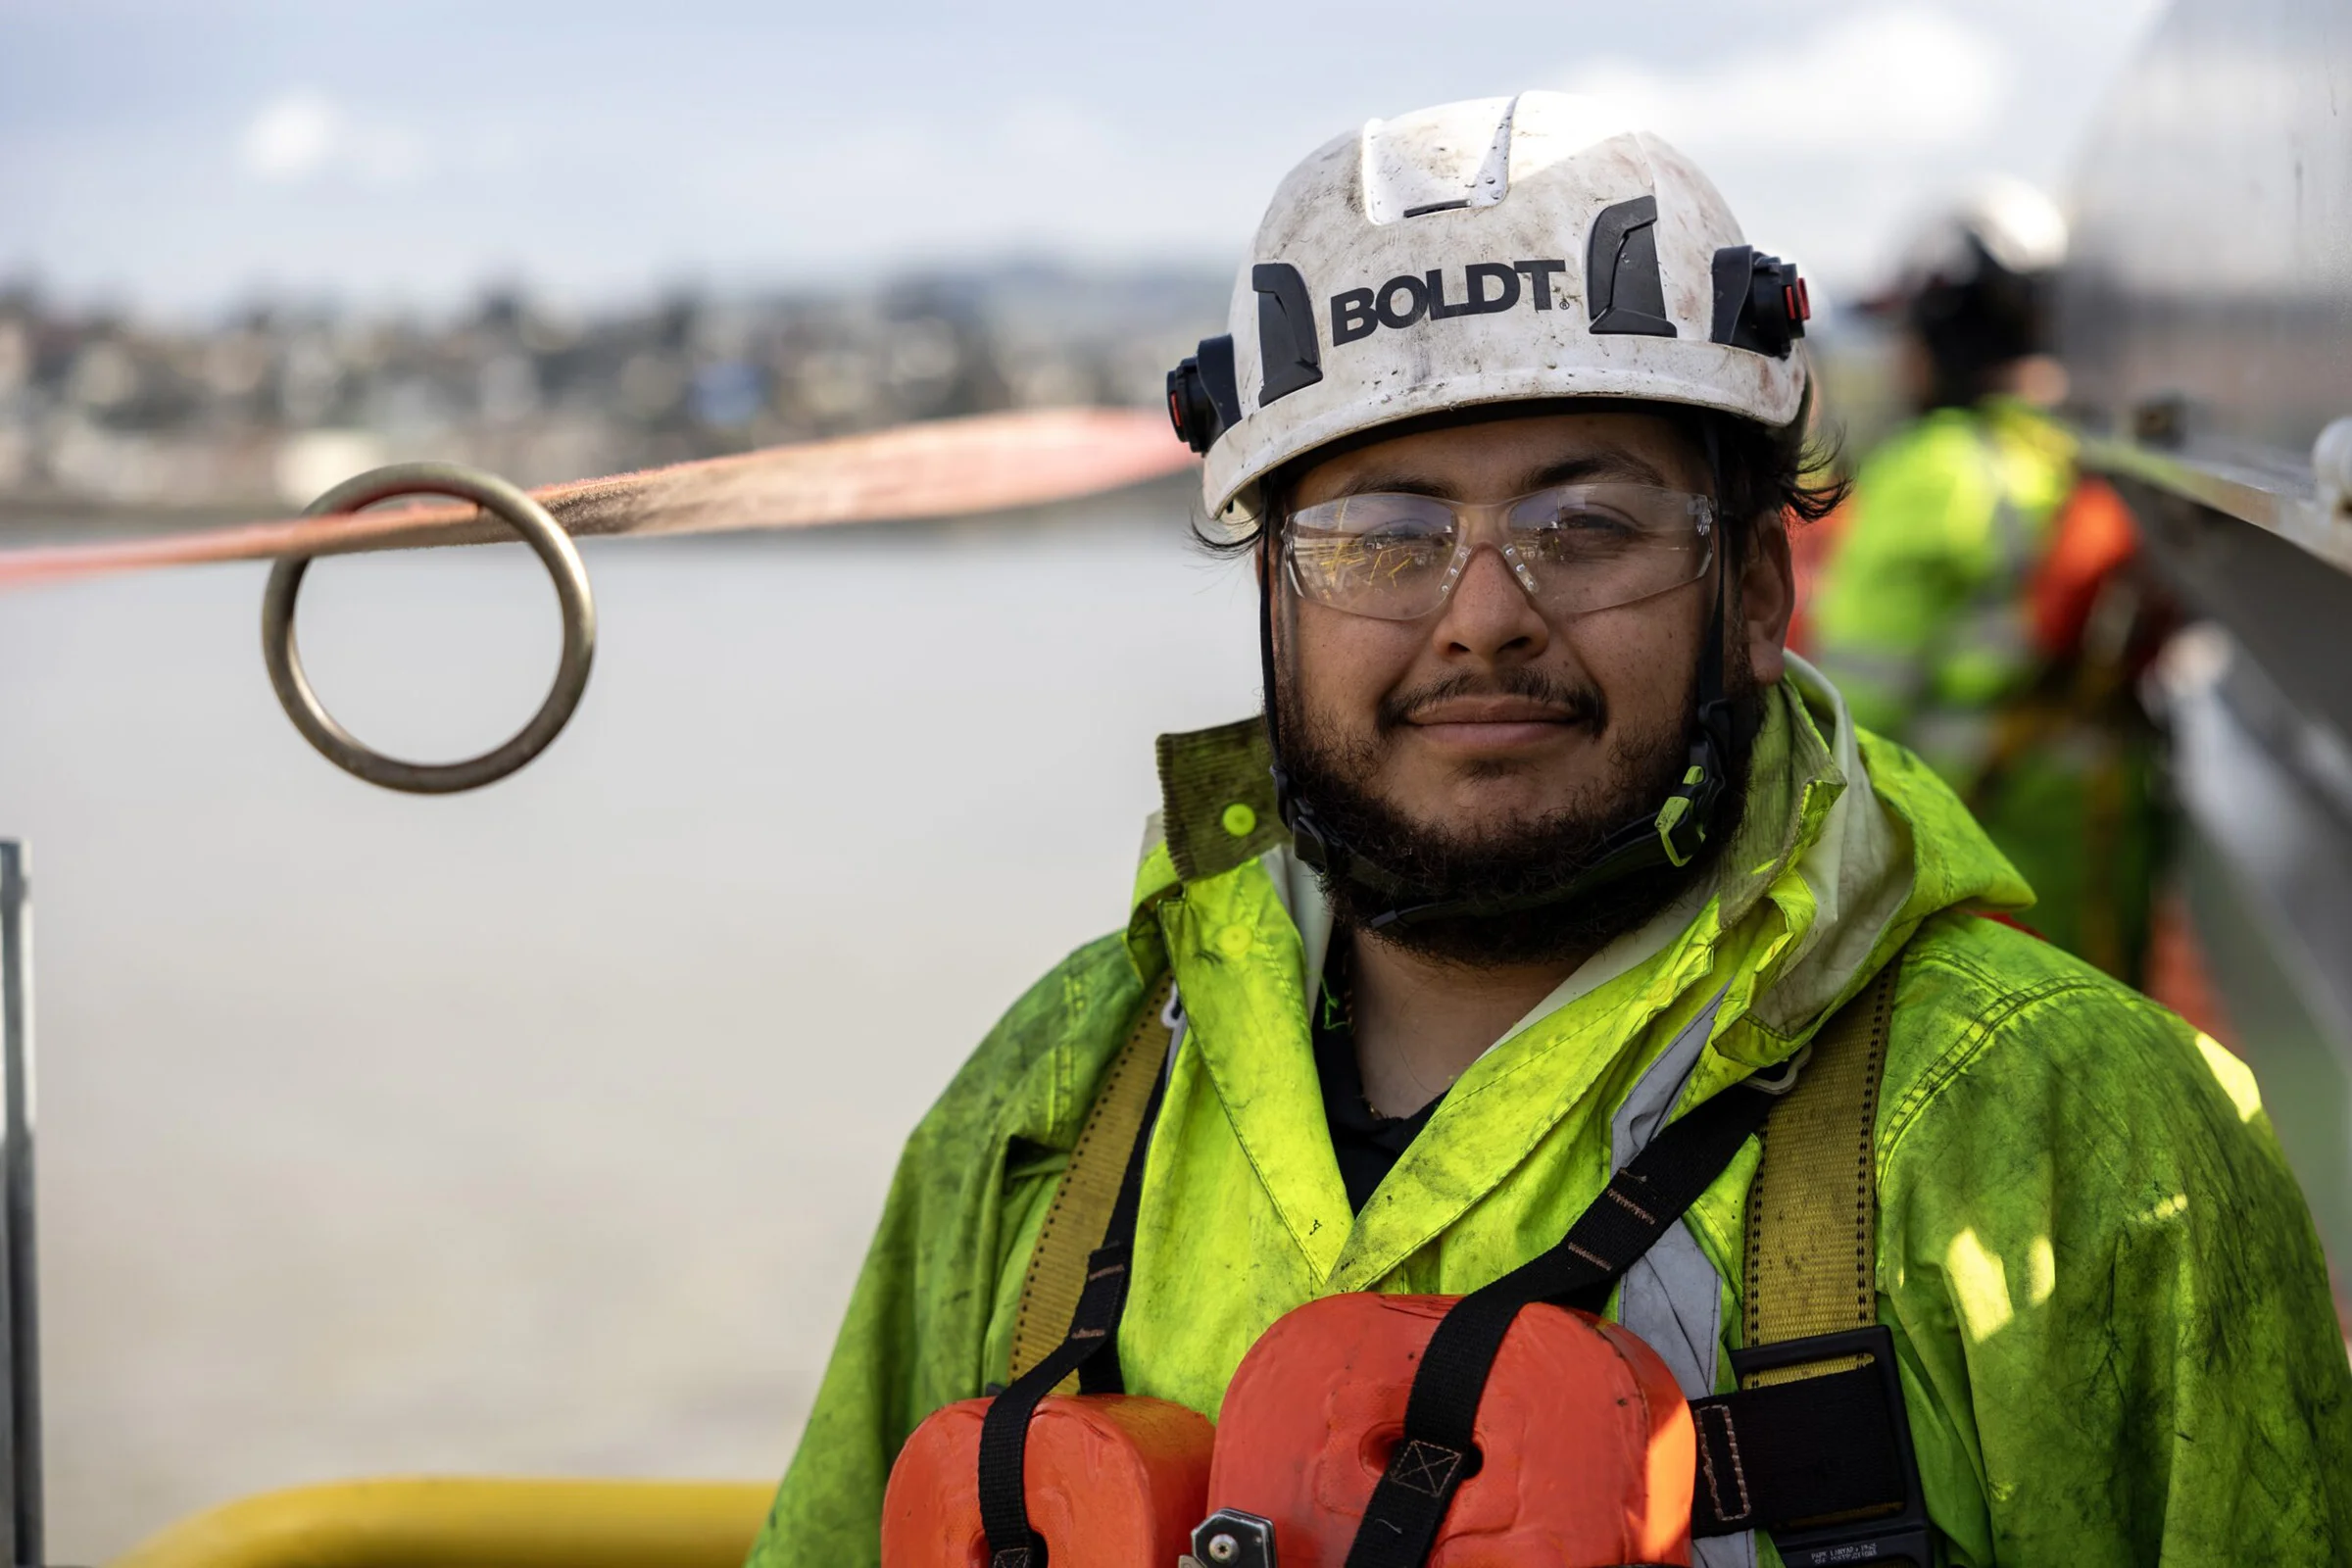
[101, 412]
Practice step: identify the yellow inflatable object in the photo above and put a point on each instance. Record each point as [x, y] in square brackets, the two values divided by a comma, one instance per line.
[424, 1522]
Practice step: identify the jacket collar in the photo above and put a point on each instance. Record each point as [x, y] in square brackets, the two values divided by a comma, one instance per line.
[1217, 799]
[1822, 883]
[1217, 809]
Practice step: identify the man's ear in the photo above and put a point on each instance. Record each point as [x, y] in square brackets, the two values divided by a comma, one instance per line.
[1767, 597]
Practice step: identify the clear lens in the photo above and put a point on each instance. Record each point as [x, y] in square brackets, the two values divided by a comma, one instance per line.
[1594, 546]
[1575, 547]
[1390, 555]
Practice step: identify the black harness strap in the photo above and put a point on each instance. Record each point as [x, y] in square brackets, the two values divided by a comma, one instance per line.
[1436, 1453]
[1787, 1452]
[1091, 1349]
[1825, 1462]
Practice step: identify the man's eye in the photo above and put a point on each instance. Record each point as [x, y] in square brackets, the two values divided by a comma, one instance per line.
[1580, 533]
[1413, 539]
[1585, 520]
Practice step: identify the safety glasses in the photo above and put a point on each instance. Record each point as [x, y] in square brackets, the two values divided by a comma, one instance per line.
[1574, 548]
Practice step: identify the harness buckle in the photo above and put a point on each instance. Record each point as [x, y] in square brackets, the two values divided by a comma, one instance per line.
[1899, 1537]
[1231, 1539]
[1778, 1081]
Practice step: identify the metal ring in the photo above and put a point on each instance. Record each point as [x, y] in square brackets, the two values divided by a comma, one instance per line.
[555, 550]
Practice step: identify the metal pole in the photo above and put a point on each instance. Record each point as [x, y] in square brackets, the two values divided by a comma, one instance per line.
[20, 1302]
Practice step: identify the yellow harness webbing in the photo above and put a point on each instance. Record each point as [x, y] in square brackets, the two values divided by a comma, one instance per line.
[1090, 1185]
[1812, 1210]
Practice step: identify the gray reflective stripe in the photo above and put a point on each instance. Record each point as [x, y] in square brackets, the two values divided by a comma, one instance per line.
[1952, 739]
[1673, 1298]
[1993, 621]
[2009, 528]
[1724, 1551]
[1993, 626]
[2017, 545]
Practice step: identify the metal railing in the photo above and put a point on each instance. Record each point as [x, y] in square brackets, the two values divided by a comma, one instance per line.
[20, 1297]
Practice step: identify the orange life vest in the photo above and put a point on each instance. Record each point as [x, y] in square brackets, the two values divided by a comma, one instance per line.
[1504, 1428]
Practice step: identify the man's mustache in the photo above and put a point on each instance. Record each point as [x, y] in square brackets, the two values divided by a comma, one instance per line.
[1582, 704]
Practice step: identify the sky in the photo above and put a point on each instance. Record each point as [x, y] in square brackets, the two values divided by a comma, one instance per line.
[183, 158]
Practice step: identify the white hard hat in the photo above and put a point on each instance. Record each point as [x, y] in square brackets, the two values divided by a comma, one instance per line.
[2005, 222]
[1976, 281]
[1490, 251]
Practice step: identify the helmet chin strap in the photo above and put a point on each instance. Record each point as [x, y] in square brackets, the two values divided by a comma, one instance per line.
[1672, 835]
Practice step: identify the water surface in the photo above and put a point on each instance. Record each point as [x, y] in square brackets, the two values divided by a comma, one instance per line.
[541, 1130]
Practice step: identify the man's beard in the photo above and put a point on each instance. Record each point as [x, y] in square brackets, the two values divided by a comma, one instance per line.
[1514, 860]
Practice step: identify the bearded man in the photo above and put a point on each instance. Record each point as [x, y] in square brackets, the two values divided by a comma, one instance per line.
[1544, 849]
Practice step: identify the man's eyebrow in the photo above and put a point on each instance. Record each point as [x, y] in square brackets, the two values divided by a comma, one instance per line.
[1395, 482]
[1597, 466]
[1568, 470]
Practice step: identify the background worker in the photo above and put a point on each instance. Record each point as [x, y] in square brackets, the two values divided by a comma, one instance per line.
[1980, 603]
[1542, 839]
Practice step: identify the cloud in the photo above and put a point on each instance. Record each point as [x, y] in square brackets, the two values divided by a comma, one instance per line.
[291, 140]
[1834, 143]
[303, 136]
[590, 158]
[1051, 144]
[1875, 83]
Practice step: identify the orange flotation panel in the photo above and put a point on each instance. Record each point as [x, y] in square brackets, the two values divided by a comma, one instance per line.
[1113, 1481]
[1585, 1443]
[1542, 1437]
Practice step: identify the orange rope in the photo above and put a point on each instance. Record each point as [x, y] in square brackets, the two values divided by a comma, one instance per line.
[947, 468]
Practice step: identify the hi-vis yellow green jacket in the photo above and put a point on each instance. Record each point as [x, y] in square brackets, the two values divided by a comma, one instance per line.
[2116, 1339]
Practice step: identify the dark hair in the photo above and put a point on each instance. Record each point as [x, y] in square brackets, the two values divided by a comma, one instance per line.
[1975, 329]
[1758, 471]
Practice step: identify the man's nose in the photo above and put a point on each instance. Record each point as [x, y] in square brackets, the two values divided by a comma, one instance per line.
[1489, 617]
